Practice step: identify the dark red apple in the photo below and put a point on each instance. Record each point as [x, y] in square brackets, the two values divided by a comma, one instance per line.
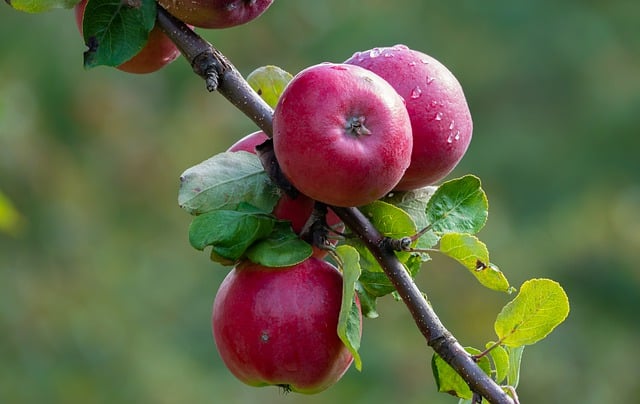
[341, 134]
[297, 210]
[440, 117]
[216, 13]
[157, 53]
[278, 326]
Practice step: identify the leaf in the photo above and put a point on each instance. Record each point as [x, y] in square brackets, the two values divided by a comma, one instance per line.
[515, 359]
[392, 222]
[224, 181]
[473, 254]
[281, 248]
[11, 221]
[414, 203]
[458, 206]
[350, 321]
[229, 232]
[540, 306]
[116, 30]
[367, 301]
[269, 82]
[500, 358]
[449, 381]
[39, 6]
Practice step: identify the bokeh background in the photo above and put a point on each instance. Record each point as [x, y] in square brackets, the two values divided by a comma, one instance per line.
[103, 300]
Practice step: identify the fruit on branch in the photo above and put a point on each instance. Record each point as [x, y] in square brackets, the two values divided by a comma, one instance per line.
[157, 53]
[439, 113]
[216, 13]
[341, 134]
[297, 210]
[278, 326]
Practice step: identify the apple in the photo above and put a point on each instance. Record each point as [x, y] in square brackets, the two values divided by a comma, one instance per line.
[296, 210]
[439, 113]
[278, 326]
[216, 13]
[341, 134]
[157, 53]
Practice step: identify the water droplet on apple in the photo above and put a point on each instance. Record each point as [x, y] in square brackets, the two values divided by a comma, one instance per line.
[412, 63]
[438, 116]
[400, 46]
[424, 62]
[388, 54]
[453, 136]
[430, 80]
[416, 93]
[452, 125]
[338, 67]
[374, 53]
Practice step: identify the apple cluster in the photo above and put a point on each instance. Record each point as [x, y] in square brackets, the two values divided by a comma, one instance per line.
[386, 119]
[344, 134]
[213, 14]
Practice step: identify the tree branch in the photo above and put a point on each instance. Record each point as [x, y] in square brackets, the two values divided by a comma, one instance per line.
[219, 74]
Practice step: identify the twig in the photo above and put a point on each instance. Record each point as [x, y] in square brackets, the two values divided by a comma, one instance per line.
[220, 75]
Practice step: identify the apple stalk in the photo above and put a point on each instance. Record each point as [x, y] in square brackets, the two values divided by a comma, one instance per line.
[221, 76]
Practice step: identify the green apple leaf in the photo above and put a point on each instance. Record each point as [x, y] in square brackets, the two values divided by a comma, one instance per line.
[39, 6]
[540, 306]
[500, 358]
[449, 381]
[367, 301]
[390, 221]
[281, 248]
[229, 232]
[224, 181]
[11, 220]
[515, 359]
[474, 255]
[269, 82]
[458, 206]
[349, 322]
[116, 30]
[414, 204]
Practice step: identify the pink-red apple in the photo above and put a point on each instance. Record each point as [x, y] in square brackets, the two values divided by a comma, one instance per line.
[216, 13]
[157, 53]
[341, 134]
[278, 326]
[439, 113]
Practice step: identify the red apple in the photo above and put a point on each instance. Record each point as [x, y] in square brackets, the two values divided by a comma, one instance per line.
[157, 53]
[439, 113]
[341, 134]
[216, 13]
[297, 210]
[279, 326]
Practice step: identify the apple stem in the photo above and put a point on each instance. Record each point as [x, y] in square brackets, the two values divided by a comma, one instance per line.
[355, 126]
[220, 75]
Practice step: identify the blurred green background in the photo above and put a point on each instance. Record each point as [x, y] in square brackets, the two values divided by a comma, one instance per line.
[103, 300]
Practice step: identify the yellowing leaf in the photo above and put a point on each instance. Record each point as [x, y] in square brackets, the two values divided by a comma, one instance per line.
[539, 307]
[39, 6]
[473, 254]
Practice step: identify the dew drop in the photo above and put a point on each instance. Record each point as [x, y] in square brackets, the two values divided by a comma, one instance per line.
[424, 61]
[416, 93]
[438, 116]
[400, 47]
[375, 52]
[388, 54]
[430, 80]
[453, 136]
[452, 125]
[412, 63]
[338, 67]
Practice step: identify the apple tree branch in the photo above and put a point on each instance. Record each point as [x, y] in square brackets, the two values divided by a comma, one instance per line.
[221, 76]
